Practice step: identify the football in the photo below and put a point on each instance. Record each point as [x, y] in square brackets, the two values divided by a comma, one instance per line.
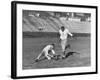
[57, 57]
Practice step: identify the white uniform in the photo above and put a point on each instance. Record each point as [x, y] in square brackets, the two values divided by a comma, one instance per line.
[63, 37]
[46, 50]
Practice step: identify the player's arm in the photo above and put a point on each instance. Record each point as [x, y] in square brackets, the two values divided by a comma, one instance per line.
[53, 52]
[70, 33]
[50, 55]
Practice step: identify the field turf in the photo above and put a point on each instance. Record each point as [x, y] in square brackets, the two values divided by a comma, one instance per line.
[33, 46]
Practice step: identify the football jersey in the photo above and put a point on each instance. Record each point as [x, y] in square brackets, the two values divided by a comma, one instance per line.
[63, 34]
[47, 48]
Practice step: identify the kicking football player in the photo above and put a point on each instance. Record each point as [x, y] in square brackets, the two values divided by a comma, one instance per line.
[63, 32]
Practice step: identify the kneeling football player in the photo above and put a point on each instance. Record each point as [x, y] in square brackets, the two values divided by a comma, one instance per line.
[48, 52]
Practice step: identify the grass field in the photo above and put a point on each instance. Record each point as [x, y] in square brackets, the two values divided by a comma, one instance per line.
[33, 46]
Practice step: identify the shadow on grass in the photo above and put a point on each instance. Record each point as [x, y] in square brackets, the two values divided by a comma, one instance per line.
[58, 57]
[70, 53]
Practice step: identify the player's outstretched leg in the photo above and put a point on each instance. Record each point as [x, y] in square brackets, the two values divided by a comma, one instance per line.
[37, 59]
